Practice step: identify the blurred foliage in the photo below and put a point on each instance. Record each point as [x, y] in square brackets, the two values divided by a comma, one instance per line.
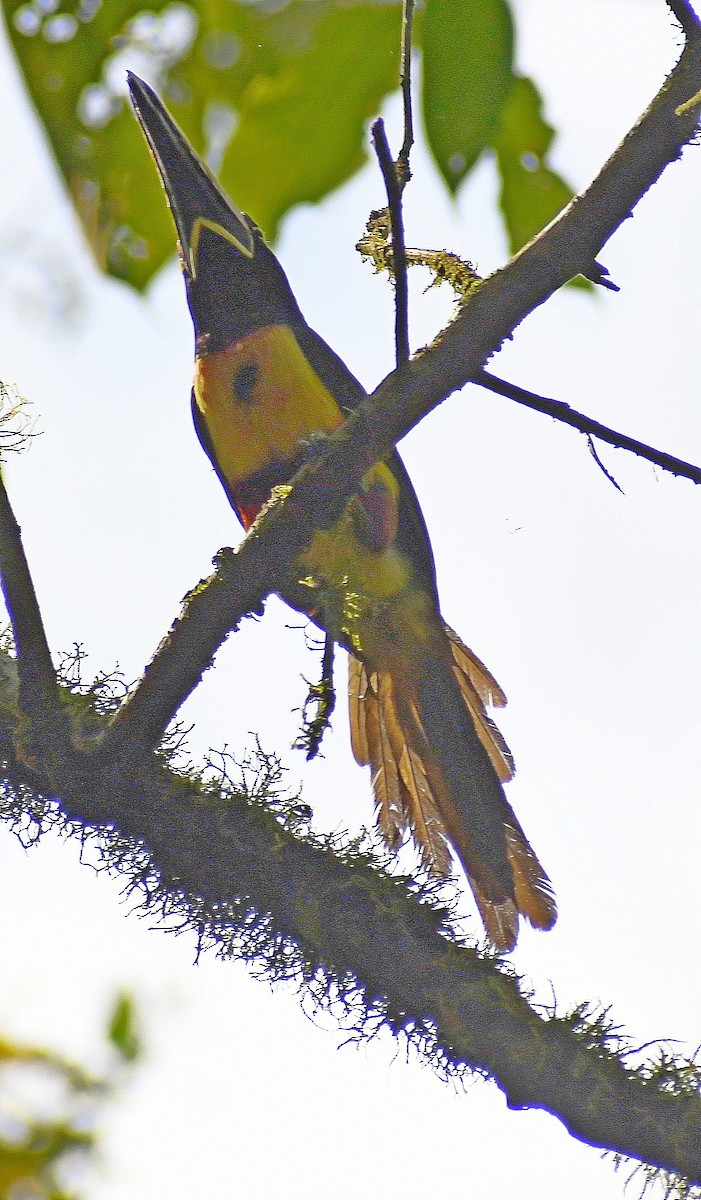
[277, 96]
[467, 70]
[123, 1028]
[531, 193]
[49, 1108]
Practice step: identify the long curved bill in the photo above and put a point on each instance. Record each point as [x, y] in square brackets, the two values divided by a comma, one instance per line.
[196, 200]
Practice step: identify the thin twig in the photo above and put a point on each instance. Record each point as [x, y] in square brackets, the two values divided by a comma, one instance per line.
[394, 200]
[689, 105]
[604, 469]
[322, 697]
[39, 698]
[403, 168]
[569, 416]
[687, 17]
[396, 176]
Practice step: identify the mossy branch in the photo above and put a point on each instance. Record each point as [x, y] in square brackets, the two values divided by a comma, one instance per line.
[240, 872]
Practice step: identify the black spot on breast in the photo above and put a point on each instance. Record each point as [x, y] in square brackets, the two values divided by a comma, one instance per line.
[244, 382]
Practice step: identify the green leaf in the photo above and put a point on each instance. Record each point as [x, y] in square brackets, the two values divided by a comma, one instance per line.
[531, 193]
[122, 1027]
[467, 57]
[302, 126]
[297, 85]
[66, 55]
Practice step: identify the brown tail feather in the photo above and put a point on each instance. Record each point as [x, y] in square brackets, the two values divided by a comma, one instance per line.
[387, 732]
[534, 894]
[471, 666]
[426, 825]
[500, 921]
[403, 797]
[480, 688]
[357, 708]
[372, 747]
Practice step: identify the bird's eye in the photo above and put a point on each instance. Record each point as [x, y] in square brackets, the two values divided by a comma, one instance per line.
[244, 382]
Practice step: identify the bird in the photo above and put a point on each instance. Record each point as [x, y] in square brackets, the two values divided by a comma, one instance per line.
[266, 388]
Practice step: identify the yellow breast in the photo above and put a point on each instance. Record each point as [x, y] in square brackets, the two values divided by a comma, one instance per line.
[261, 400]
[262, 403]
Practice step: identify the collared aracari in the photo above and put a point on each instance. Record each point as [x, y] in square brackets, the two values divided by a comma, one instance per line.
[265, 385]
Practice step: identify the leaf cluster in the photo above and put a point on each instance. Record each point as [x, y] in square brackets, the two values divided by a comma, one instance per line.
[277, 97]
[49, 1107]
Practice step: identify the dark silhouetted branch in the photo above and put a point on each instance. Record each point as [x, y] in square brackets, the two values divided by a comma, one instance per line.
[569, 416]
[399, 271]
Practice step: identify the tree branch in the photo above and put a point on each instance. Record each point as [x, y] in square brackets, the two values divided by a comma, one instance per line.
[403, 168]
[569, 416]
[399, 271]
[43, 729]
[396, 176]
[212, 861]
[683, 10]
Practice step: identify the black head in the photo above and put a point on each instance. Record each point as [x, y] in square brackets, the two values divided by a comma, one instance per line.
[234, 282]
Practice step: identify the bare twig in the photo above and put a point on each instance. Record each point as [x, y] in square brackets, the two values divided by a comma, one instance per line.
[322, 699]
[593, 429]
[689, 105]
[604, 469]
[394, 200]
[396, 175]
[45, 726]
[402, 165]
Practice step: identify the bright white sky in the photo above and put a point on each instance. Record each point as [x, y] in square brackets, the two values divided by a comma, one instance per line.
[583, 602]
